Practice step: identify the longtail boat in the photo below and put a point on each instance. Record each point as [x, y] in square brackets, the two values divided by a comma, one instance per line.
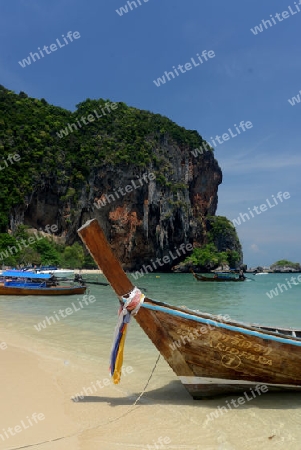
[30, 283]
[217, 277]
[58, 273]
[209, 354]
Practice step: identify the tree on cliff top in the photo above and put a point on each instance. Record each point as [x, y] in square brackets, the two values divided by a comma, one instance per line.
[285, 263]
[223, 246]
[208, 257]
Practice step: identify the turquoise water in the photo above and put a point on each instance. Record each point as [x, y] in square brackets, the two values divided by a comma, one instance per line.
[88, 332]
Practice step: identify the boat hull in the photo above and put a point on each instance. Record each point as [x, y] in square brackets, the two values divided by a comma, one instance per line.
[218, 280]
[215, 279]
[221, 358]
[59, 273]
[211, 356]
[56, 290]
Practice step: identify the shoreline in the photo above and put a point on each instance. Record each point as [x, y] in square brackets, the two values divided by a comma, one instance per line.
[100, 272]
[88, 271]
[42, 378]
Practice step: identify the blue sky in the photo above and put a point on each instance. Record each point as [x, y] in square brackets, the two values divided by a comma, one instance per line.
[250, 78]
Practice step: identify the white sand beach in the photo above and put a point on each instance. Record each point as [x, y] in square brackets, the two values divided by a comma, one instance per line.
[37, 378]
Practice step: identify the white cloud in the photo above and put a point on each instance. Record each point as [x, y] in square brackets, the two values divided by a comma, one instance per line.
[241, 164]
[254, 248]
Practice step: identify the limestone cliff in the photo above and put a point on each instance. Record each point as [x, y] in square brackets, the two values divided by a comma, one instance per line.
[68, 174]
[156, 217]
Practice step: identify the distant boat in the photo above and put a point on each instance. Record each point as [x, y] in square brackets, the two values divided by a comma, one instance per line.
[210, 356]
[58, 273]
[261, 273]
[218, 277]
[16, 282]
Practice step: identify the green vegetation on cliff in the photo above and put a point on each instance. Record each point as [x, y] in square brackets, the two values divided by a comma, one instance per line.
[223, 246]
[66, 162]
[285, 263]
[17, 250]
[31, 128]
[208, 257]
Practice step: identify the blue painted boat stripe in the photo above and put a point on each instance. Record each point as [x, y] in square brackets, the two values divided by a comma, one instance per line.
[261, 335]
[20, 274]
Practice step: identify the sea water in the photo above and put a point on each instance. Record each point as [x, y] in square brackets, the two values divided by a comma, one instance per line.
[271, 421]
[89, 330]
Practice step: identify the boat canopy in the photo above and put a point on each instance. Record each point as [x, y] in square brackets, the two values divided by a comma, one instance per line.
[20, 274]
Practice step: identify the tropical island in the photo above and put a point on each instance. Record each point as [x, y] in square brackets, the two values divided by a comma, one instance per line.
[281, 266]
[52, 182]
[64, 179]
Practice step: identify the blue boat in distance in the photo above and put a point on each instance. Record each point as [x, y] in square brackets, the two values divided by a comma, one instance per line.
[25, 275]
[17, 282]
[218, 277]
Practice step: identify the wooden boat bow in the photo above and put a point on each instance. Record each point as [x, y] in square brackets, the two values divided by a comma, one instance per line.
[211, 356]
[94, 239]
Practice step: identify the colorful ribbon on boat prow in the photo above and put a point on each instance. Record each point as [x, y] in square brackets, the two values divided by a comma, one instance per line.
[130, 308]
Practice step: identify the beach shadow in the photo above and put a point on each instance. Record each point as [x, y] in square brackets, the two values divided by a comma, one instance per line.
[174, 393]
[113, 401]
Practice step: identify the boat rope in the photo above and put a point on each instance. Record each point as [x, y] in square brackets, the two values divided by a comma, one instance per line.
[78, 433]
[139, 397]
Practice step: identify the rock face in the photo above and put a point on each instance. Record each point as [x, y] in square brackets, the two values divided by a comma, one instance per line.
[143, 218]
[67, 175]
